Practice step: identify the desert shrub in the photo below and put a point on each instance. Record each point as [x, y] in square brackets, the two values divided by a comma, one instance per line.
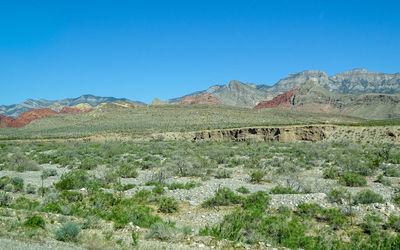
[73, 180]
[70, 196]
[372, 224]
[135, 239]
[9, 187]
[257, 200]
[352, 180]
[223, 174]
[18, 184]
[127, 171]
[383, 180]
[5, 199]
[120, 187]
[223, 197]
[257, 176]
[162, 231]
[24, 203]
[158, 189]
[129, 211]
[331, 173]
[282, 190]
[168, 205]
[19, 162]
[4, 181]
[338, 195]
[88, 164]
[334, 217]
[49, 172]
[188, 185]
[35, 221]
[30, 189]
[367, 197]
[391, 172]
[68, 232]
[309, 210]
[243, 190]
[394, 222]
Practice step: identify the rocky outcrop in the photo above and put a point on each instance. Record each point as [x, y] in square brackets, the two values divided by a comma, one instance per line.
[72, 110]
[200, 99]
[34, 114]
[157, 102]
[6, 121]
[235, 93]
[312, 97]
[28, 116]
[280, 101]
[83, 106]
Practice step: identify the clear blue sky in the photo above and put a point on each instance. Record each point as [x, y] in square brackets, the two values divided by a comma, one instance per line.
[145, 49]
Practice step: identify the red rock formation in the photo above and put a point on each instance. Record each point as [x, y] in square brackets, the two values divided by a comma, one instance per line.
[200, 99]
[6, 121]
[71, 110]
[281, 101]
[28, 116]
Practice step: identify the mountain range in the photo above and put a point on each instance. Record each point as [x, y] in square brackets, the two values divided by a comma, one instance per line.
[56, 105]
[356, 81]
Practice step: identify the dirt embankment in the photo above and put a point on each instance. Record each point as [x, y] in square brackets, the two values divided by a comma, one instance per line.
[312, 133]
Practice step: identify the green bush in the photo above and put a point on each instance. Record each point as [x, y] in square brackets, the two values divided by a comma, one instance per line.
[168, 205]
[127, 171]
[383, 180]
[35, 221]
[257, 176]
[49, 172]
[188, 185]
[282, 190]
[158, 189]
[223, 174]
[24, 203]
[4, 181]
[73, 180]
[391, 172]
[30, 189]
[334, 217]
[162, 231]
[309, 210]
[135, 239]
[372, 224]
[367, 197]
[257, 200]
[331, 173]
[338, 195]
[352, 180]
[223, 197]
[18, 184]
[243, 190]
[5, 199]
[394, 222]
[68, 232]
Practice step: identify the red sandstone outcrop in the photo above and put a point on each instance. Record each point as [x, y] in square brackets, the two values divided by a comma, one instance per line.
[72, 110]
[28, 116]
[281, 101]
[200, 99]
[6, 121]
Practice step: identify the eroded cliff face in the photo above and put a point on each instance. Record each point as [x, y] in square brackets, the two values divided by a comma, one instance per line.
[280, 101]
[311, 133]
